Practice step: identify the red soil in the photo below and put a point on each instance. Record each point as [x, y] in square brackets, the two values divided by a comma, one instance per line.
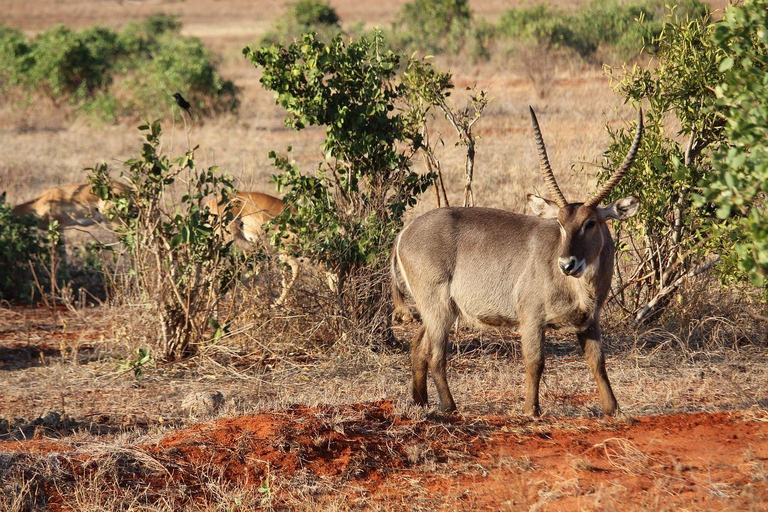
[478, 462]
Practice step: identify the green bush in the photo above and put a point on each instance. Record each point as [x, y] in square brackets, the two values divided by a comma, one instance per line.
[65, 63]
[111, 74]
[627, 27]
[14, 48]
[301, 17]
[24, 248]
[678, 233]
[177, 64]
[140, 40]
[433, 26]
[738, 187]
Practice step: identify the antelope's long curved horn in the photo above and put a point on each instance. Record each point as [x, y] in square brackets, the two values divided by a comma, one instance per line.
[546, 169]
[616, 176]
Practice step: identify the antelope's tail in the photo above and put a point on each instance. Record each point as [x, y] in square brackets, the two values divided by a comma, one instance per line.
[401, 311]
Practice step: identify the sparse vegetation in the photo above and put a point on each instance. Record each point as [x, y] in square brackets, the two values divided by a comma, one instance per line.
[180, 262]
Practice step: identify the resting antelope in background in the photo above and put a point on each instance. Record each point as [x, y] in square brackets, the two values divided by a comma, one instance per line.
[72, 205]
[500, 268]
[250, 211]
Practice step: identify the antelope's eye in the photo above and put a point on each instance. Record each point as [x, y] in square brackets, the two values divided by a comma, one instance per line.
[590, 224]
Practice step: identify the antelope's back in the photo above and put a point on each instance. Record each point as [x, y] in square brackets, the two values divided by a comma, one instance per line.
[481, 257]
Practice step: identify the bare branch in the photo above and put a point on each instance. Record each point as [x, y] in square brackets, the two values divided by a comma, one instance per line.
[672, 287]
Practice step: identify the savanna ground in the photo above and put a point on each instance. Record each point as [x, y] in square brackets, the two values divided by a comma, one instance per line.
[303, 424]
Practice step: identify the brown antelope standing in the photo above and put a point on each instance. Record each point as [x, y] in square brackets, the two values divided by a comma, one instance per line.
[72, 205]
[250, 211]
[504, 269]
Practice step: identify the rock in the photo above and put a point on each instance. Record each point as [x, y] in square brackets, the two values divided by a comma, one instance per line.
[202, 403]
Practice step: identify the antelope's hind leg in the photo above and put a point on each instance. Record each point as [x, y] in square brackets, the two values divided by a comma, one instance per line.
[419, 368]
[428, 351]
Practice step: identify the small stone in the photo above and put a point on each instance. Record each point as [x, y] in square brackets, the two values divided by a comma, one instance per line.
[51, 419]
[202, 403]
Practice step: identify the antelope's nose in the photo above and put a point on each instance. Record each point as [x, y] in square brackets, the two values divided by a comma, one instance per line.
[567, 265]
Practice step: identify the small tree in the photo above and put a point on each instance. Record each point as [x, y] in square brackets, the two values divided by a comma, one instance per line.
[427, 88]
[345, 215]
[671, 236]
[703, 188]
[180, 262]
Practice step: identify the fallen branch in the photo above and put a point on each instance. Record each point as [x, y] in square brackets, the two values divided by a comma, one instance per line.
[672, 287]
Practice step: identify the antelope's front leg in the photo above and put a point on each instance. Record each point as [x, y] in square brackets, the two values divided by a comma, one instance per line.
[593, 354]
[533, 357]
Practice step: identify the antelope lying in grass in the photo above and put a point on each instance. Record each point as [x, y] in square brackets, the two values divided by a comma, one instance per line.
[72, 205]
[504, 269]
[250, 211]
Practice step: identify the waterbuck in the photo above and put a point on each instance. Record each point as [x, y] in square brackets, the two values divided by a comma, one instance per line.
[500, 268]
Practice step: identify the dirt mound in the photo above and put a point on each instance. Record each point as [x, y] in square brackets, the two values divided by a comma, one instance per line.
[372, 454]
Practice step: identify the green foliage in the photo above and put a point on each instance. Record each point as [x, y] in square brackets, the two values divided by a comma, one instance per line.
[68, 63]
[24, 247]
[301, 17]
[112, 74]
[178, 64]
[141, 359]
[13, 49]
[180, 261]
[347, 213]
[433, 26]
[627, 27]
[352, 90]
[313, 12]
[738, 186]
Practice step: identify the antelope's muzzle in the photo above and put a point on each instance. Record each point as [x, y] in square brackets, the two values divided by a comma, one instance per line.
[571, 266]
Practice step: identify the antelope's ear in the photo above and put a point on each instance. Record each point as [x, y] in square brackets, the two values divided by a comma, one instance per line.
[544, 208]
[622, 209]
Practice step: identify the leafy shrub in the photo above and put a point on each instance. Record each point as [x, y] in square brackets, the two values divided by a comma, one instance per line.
[738, 187]
[346, 214]
[24, 248]
[625, 26]
[301, 17]
[180, 262]
[678, 233]
[111, 74]
[433, 26]
[67, 63]
[177, 64]
[13, 50]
